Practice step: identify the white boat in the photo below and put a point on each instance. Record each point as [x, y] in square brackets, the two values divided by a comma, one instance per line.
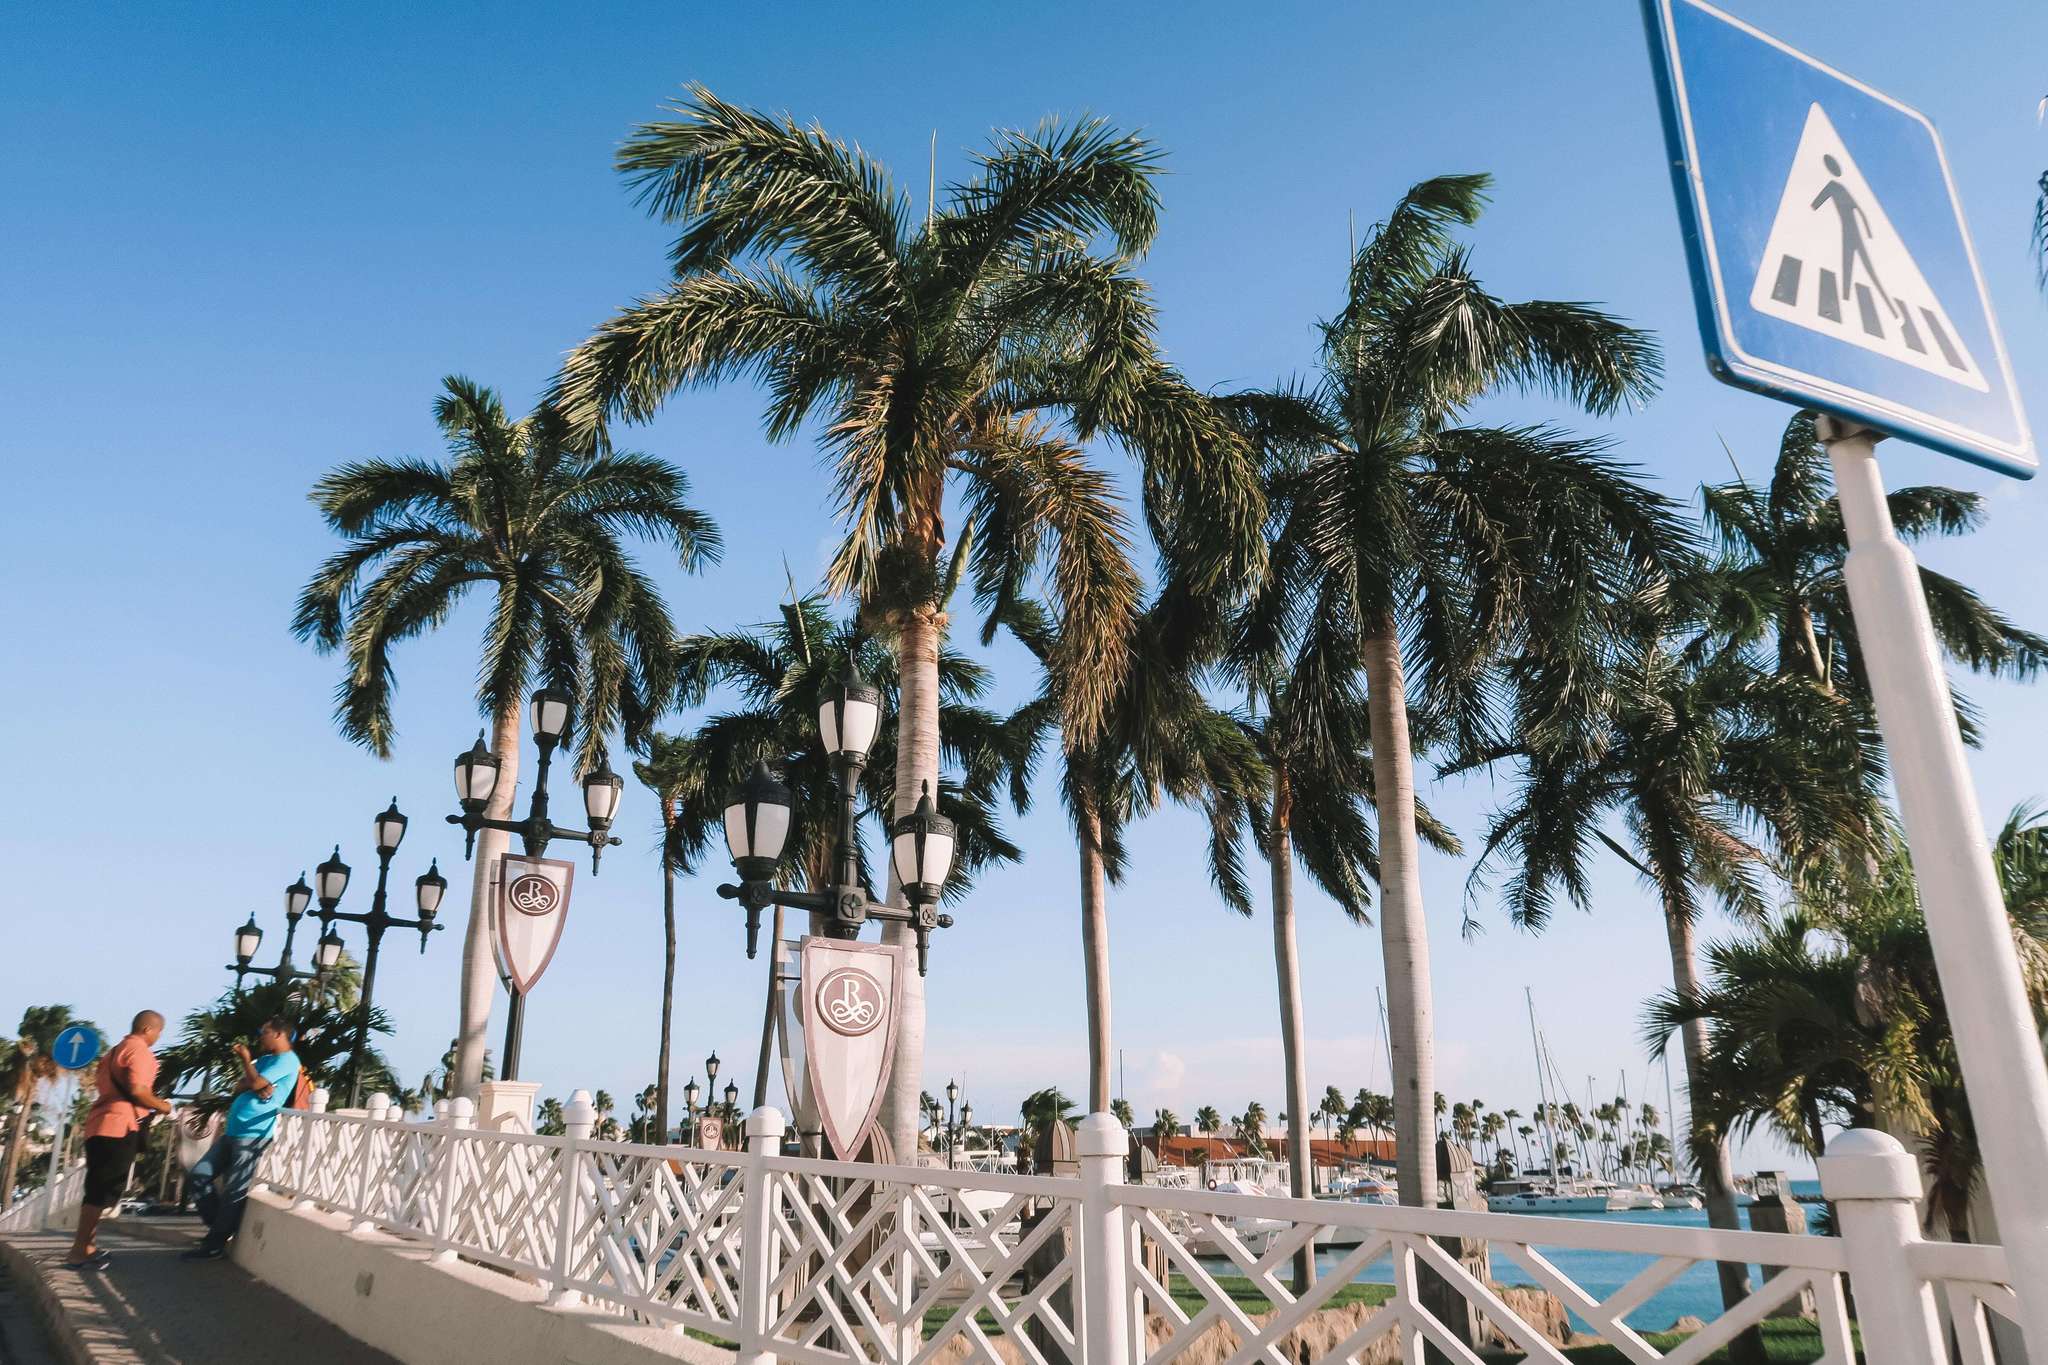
[1681, 1197]
[1543, 1196]
[1621, 1198]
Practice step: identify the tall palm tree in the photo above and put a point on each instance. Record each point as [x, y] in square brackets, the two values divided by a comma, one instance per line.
[26, 1065]
[1692, 759]
[1166, 1124]
[662, 772]
[1251, 1127]
[973, 350]
[1208, 1121]
[516, 509]
[1461, 541]
[1160, 739]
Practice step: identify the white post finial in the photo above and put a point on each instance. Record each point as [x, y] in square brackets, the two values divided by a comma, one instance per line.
[319, 1101]
[440, 1111]
[1875, 1187]
[378, 1107]
[579, 1116]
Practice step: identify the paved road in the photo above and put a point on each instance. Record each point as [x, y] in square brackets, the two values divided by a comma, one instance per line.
[151, 1307]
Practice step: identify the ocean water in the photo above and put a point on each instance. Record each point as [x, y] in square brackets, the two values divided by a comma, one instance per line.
[1697, 1292]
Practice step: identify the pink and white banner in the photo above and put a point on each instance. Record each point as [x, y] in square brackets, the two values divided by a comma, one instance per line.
[849, 1016]
[533, 904]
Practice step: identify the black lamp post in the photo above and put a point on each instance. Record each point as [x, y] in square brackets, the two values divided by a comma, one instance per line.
[388, 828]
[757, 828]
[476, 779]
[952, 1129]
[249, 938]
[690, 1093]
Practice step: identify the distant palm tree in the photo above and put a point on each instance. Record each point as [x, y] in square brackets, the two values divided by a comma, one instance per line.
[1207, 1121]
[25, 1065]
[1040, 1111]
[1120, 1110]
[1251, 1127]
[978, 348]
[1449, 544]
[550, 1121]
[518, 509]
[1165, 1124]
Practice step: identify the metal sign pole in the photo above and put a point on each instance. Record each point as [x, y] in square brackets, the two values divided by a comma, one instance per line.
[1967, 923]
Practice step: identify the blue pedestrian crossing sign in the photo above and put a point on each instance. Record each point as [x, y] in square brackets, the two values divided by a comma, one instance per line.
[76, 1048]
[1831, 266]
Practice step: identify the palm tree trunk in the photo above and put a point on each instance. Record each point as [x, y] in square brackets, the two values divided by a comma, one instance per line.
[1404, 934]
[1095, 947]
[1287, 971]
[921, 631]
[17, 1136]
[668, 975]
[479, 963]
[1710, 1156]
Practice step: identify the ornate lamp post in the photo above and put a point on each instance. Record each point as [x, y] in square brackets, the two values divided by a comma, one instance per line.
[388, 828]
[249, 938]
[952, 1128]
[757, 829]
[476, 779]
[690, 1093]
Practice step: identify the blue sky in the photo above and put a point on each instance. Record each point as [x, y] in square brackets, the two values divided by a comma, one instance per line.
[244, 242]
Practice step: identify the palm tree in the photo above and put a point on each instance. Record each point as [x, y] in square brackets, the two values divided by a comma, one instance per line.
[1120, 1110]
[1834, 1014]
[1690, 758]
[1464, 541]
[976, 348]
[26, 1065]
[1251, 1127]
[325, 1035]
[1160, 738]
[1334, 1106]
[663, 772]
[550, 1121]
[1040, 1111]
[1207, 1121]
[1165, 1124]
[516, 509]
[1781, 585]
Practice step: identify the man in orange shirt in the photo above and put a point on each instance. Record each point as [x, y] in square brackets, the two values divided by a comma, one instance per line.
[113, 1129]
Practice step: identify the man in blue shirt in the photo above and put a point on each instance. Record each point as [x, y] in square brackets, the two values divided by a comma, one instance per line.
[223, 1176]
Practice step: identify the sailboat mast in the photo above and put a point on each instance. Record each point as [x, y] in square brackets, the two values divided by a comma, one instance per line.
[1542, 1093]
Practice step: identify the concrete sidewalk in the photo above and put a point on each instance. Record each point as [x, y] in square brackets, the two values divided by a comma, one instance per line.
[150, 1306]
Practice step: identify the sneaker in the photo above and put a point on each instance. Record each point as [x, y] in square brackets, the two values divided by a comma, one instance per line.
[203, 1253]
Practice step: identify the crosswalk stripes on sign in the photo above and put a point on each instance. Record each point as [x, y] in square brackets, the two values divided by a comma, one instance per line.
[1834, 264]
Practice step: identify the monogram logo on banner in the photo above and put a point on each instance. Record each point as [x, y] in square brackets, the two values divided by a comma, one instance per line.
[533, 895]
[850, 1002]
[526, 922]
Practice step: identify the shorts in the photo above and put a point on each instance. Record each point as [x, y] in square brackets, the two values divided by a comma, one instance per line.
[107, 1162]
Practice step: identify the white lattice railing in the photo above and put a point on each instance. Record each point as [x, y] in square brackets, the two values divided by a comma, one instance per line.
[31, 1213]
[827, 1263]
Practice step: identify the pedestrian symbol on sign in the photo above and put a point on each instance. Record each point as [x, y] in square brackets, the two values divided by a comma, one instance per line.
[1835, 264]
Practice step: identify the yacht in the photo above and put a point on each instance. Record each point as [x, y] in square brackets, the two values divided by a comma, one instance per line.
[1545, 1196]
[1681, 1197]
[1621, 1198]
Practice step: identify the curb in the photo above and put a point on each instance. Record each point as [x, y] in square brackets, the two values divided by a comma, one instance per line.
[49, 1314]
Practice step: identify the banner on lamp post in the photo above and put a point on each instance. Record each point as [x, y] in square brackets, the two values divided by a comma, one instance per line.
[710, 1133]
[533, 904]
[849, 994]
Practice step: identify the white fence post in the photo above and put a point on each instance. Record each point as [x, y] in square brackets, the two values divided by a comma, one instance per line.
[461, 1117]
[1875, 1187]
[757, 1264]
[318, 1103]
[579, 1120]
[371, 1170]
[1103, 1302]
